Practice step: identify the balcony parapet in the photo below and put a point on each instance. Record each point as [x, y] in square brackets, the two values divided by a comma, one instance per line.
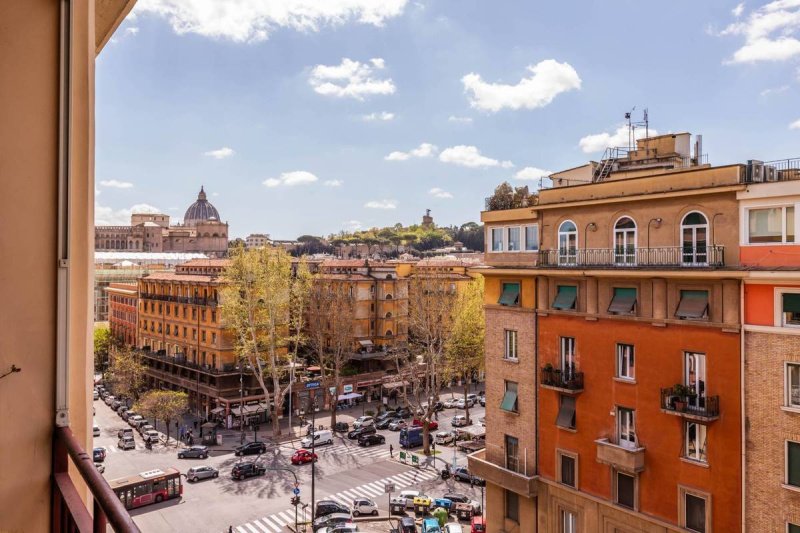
[521, 484]
[570, 382]
[620, 457]
[641, 258]
[704, 409]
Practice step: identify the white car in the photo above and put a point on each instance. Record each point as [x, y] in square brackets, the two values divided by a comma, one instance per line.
[95, 430]
[459, 421]
[460, 403]
[151, 435]
[444, 437]
[134, 420]
[408, 496]
[144, 428]
[364, 506]
[126, 443]
[453, 528]
[449, 403]
[363, 421]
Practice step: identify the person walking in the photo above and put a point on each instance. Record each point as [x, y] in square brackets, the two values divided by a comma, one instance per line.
[391, 451]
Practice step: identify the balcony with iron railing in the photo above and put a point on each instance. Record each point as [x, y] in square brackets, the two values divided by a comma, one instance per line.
[699, 408]
[196, 300]
[182, 361]
[567, 381]
[778, 170]
[69, 513]
[659, 257]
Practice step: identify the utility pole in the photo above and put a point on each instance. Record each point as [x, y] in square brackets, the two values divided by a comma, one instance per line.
[313, 462]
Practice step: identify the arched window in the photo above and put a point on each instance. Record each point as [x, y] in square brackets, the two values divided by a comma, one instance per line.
[388, 333]
[388, 296]
[567, 243]
[694, 238]
[625, 241]
[389, 314]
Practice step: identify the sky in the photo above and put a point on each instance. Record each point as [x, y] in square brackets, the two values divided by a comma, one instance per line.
[316, 116]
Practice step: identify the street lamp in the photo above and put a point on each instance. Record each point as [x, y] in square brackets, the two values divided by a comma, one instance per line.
[313, 404]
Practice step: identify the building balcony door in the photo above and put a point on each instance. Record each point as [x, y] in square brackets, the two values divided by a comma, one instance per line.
[695, 378]
[694, 236]
[626, 427]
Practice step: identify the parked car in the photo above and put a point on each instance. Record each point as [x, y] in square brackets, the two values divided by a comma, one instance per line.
[369, 440]
[96, 395]
[457, 497]
[200, 452]
[386, 414]
[433, 425]
[115, 404]
[99, 454]
[108, 399]
[348, 527]
[196, 473]
[301, 457]
[403, 412]
[125, 431]
[453, 527]
[127, 414]
[330, 521]
[318, 438]
[122, 409]
[431, 525]
[397, 425]
[326, 507]
[363, 421]
[364, 430]
[364, 506]
[341, 427]
[472, 398]
[384, 423]
[478, 525]
[444, 437]
[407, 525]
[460, 403]
[459, 421]
[134, 420]
[144, 428]
[251, 448]
[462, 474]
[247, 469]
[100, 467]
[95, 430]
[408, 496]
[482, 401]
[126, 443]
[152, 436]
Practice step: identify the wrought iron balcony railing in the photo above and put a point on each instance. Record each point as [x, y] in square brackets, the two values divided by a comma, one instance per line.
[661, 257]
[570, 380]
[705, 407]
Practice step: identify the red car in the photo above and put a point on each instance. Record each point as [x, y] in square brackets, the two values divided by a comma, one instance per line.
[301, 457]
[433, 425]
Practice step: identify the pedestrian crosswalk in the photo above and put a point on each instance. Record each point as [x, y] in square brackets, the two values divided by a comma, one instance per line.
[276, 523]
[113, 449]
[376, 451]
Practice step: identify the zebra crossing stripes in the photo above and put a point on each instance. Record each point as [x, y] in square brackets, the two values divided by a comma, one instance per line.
[276, 523]
[361, 451]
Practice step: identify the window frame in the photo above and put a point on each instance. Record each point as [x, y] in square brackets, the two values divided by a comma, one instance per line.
[506, 390]
[631, 376]
[560, 455]
[683, 491]
[627, 428]
[779, 318]
[567, 258]
[786, 483]
[784, 228]
[506, 506]
[501, 229]
[788, 386]
[615, 473]
[628, 255]
[519, 243]
[694, 227]
[504, 238]
[574, 420]
[503, 284]
[563, 516]
[700, 451]
[508, 456]
[506, 345]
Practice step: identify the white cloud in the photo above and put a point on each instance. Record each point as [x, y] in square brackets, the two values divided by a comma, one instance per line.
[290, 179]
[214, 194]
[548, 79]
[795, 125]
[436, 192]
[600, 141]
[255, 20]
[383, 116]
[460, 120]
[353, 224]
[531, 174]
[351, 79]
[470, 156]
[116, 184]
[776, 90]
[107, 216]
[333, 183]
[738, 10]
[221, 153]
[381, 204]
[770, 32]
[132, 30]
[423, 150]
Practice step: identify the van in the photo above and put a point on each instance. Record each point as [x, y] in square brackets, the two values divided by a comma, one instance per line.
[323, 436]
[411, 437]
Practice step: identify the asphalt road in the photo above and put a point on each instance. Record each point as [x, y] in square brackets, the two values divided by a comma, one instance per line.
[262, 504]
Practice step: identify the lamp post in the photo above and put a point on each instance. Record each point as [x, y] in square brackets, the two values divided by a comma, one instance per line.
[313, 404]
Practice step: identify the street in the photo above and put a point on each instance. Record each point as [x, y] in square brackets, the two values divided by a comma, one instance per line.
[344, 471]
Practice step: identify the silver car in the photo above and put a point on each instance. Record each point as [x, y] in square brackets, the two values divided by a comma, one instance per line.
[196, 473]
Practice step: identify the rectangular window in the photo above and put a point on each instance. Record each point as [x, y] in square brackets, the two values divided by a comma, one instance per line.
[695, 378]
[203, 335]
[695, 445]
[512, 453]
[512, 505]
[213, 338]
[625, 493]
[184, 332]
[694, 512]
[203, 315]
[790, 305]
[509, 402]
[770, 225]
[623, 302]
[567, 469]
[510, 294]
[510, 344]
[513, 239]
[214, 313]
[626, 427]
[566, 295]
[793, 385]
[566, 412]
[693, 305]
[568, 522]
[793, 463]
[497, 239]
[792, 528]
[531, 238]
[567, 356]
[625, 361]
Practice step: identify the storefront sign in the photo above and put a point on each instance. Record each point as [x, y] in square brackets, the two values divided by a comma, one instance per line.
[348, 389]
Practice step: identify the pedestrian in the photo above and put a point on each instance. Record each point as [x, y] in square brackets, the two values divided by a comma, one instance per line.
[180, 435]
[391, 451]
[230, 529]
[195, 425]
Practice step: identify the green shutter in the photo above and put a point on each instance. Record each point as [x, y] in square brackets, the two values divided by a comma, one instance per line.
[565, 298]
[791, 303]
[623, 301]
[693, 304]
[510, 294]
[509, 401]
[793, 463]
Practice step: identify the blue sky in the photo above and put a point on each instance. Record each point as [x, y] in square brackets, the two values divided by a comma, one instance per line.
[311, 116]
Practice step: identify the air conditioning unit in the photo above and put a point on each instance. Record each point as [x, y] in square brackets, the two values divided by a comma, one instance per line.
[755, 171]
[770, 173]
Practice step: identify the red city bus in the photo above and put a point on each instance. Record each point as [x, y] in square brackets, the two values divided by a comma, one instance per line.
[153, 486]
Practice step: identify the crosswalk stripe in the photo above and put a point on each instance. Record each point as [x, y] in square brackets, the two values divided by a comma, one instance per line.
[341, 499]
[261, 526]
[251, 528]
[240, 529]
[286, 516]
[273, 522]
[272, 526]
[371, 490]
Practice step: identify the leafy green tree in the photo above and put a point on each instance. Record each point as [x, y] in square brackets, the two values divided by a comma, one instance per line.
[165, 405]
[126, 374]
[103, 341]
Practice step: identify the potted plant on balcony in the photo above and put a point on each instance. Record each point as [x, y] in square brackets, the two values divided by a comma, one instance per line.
[547, 374]
[681, 394]
[556, 377]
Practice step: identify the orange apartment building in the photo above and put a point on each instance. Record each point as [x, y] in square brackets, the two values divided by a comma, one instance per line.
[123, 303]
[613, 329]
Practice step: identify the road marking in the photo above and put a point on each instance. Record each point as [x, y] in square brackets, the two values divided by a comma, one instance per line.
[262, 527]
[271, 525]
[288, 518]
[251, 528]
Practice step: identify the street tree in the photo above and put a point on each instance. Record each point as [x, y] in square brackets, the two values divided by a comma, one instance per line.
[165, 405]
[257, 308]
[126, 373]
[464, 348]
[103, 341]
[331, 314]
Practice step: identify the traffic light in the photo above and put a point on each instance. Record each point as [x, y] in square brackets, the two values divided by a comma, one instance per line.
[295, 500]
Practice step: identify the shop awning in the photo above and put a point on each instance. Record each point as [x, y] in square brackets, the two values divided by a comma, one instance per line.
[475, 430]
[365, 342]
[395, 384]
[349, 396]
[217, 410]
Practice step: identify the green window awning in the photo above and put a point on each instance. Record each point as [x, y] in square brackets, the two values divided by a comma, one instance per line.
[623, 301]
[566, 296]
[693, 304]
[510, 294]
[509, 401]
[793, 463]
[791, 303]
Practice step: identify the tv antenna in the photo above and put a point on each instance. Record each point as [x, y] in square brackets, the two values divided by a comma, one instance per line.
[633, 125]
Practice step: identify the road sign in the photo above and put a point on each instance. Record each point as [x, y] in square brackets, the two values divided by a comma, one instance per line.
[312, 384]
[296, 491]
[389, 487]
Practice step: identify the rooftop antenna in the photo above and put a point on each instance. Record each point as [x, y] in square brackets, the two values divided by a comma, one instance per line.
[646, 124]
[631, 127]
